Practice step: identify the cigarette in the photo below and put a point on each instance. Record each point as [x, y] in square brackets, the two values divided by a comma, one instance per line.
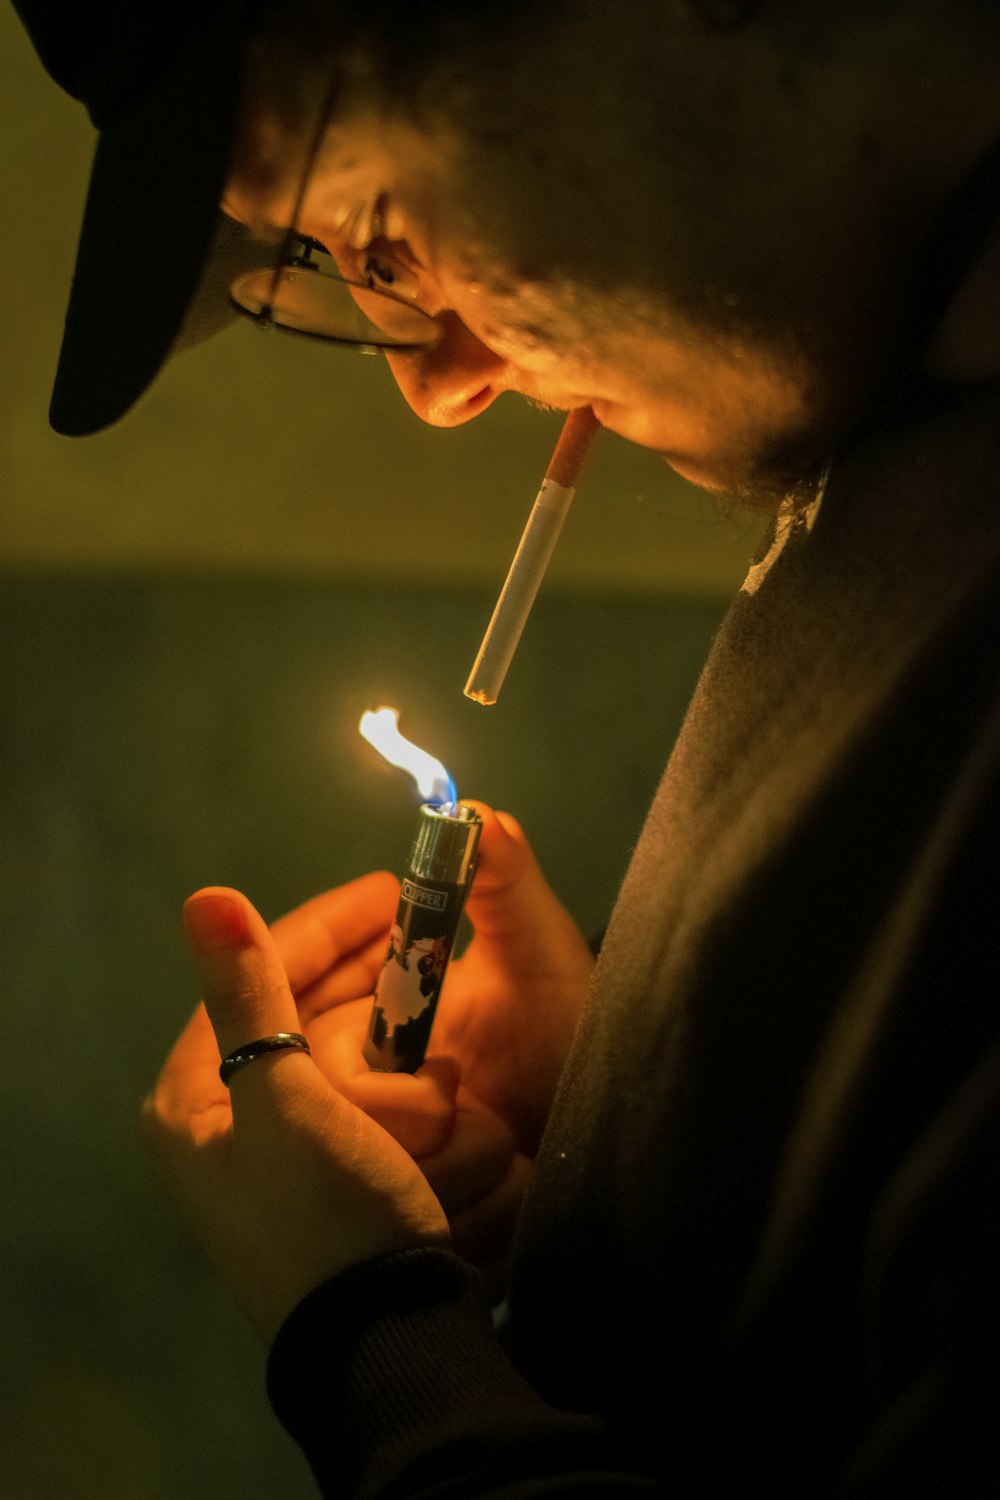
[431, 899]
[534, 550]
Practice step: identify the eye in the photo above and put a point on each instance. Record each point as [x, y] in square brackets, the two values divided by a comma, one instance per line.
[379, 270]
[390, 266]
[365, 253]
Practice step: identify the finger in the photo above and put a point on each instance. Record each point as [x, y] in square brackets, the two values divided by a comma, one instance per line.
[243, 981]
[418, 1110]
[337, 1037]
[510, 896]
[352, 978]
[322, 933]
[475, 1161]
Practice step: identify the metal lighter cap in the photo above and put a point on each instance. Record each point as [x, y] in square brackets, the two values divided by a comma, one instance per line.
[446, 843]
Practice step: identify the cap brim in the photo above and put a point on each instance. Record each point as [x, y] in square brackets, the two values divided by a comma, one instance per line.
[151, 213]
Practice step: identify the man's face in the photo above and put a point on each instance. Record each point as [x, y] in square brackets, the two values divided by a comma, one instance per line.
[581, 271]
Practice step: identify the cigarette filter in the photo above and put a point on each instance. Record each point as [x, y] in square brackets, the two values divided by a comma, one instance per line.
[431, 901]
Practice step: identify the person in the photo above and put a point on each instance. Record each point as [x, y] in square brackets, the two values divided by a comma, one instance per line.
[731, 1193]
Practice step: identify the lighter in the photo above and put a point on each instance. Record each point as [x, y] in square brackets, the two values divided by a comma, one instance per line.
[431, 899]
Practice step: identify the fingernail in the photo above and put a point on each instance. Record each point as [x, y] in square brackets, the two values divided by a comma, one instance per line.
[214, 922]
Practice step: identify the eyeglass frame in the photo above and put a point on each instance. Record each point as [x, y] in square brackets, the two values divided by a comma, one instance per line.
[288, 257]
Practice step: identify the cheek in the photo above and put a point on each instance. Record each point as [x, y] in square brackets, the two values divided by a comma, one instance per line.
[532, 325]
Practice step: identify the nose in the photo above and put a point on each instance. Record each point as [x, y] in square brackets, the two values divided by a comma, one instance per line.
[455, 380]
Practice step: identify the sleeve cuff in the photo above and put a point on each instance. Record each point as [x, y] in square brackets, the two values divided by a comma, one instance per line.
[391, 1380]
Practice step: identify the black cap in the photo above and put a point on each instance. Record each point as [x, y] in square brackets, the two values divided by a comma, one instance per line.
[161, 83]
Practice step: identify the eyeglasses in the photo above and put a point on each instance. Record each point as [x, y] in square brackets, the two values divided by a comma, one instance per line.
[306, 293]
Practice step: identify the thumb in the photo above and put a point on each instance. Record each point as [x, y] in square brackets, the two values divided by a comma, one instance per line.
[510, 897]
[243, 981]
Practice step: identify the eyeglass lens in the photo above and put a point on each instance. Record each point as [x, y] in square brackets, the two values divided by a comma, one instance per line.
[307, 295]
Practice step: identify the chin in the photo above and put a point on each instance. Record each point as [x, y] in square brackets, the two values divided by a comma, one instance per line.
[696, 472]
[710, 471]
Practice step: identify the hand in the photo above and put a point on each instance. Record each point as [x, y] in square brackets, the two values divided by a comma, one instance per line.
[506, 1017]
[333, 948]
[508, 1007]
[284, 1180]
